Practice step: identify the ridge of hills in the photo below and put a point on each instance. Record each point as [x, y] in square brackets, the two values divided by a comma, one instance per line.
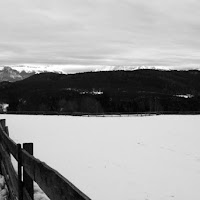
[144, 90]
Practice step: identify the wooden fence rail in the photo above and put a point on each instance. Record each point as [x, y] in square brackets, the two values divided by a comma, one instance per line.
[20, 183]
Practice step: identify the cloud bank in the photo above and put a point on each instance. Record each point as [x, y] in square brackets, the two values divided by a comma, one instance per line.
[100, 32]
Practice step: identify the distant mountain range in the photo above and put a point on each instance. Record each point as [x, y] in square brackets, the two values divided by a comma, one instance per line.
[13, 73]
[132, 68]
[17, 73]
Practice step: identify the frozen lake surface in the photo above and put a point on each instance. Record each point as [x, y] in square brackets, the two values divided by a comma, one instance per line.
[118, 158]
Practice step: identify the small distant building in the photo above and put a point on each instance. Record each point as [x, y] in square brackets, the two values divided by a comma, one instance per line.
[186, 96]
[3, 107]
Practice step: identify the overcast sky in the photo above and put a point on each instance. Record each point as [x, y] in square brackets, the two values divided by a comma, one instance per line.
[100, 32]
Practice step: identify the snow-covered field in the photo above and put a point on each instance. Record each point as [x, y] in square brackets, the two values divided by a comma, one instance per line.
[118, 158]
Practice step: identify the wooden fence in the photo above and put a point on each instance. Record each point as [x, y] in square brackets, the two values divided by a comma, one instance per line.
[20, 183]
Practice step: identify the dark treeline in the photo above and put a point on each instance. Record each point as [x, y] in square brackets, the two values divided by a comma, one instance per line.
[104, 92]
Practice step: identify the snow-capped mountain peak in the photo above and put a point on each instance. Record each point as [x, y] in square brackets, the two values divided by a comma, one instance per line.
[132, 68]
[30, 68]
[20, 72]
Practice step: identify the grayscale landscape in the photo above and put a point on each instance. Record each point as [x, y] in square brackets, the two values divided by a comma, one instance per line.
[107, 92]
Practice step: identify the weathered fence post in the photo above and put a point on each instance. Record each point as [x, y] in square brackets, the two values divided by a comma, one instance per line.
[7, 133]
[5, 128]
[20, 186]
[28, 182]
[2, 123]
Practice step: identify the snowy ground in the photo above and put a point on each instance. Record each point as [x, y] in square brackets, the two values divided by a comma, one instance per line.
[119, 158]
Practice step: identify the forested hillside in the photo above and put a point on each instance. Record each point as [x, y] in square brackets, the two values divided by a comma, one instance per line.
[99, 92]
